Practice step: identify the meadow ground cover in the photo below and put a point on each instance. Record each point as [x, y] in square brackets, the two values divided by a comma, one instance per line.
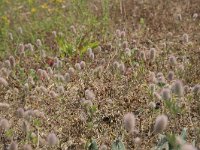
[100, 74]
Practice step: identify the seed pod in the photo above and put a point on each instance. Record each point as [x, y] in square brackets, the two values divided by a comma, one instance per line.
[3, 82]
[185, 38]
[188, 147]
[103, 147]
[195, 16]
[4, 124]
[129, 122]
[20, 112]
[10, 36]
[27, 147]
[13, 146]
[12, 61]
[38, 43]
[166, 94]
[152, 54]
[78, 66]
[52, 139]
[160, 124]
[170, 75]
[172, 60]
[89, 95]
[177, 88]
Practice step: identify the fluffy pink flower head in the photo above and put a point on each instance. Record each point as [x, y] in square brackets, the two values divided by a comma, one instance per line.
[129, 122]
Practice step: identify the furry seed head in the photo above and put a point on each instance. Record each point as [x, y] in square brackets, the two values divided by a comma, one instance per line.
[152, 77]
[28, 114]
[4, 124]
[196, 89]
[4, 72]
[116, 64]
[60, 77]
[4, 105]
[179, 140]
[89, 50]
[12, 61]
[172, 60]
[13, 146]
[185, 38]
[161, 80]
[178, 88]
[43, 89]
[73, 28]
[91, 55]
[20, 112]
[30, 80]
[67, 77]
[39, 114]
[129, 122]
[10, 36]
[21, 48]
[122, 68]
[152, 105]
[166, 94]
[160, 124]
[54, 33]
[53, 94]
[7, 64]
[82, 64]
[170, 75]
[123, 34]
[38, 43]
[27, 147]
[78, 66]
[89, 94]
[30, 47]
[195, 15]
[118, 33]
[137, 140]
[152, 54]
[45, 75]
[125, 44]
[50, 71]
[188, 147]
[103, 147]
[71, 71]
[60, 89]
[143, 55]
[25, 126]
[3, 82]
[52, 139]
[128, 52]
[157, 96]
[20, 30]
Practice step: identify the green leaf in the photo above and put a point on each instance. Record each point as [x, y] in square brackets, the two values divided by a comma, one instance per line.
[118, 145]
[93, 145]
[93, 109]
[184, 134]
[9, 133]
[89, 45]
[37, 122]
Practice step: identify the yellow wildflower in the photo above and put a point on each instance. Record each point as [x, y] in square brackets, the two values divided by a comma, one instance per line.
[33, 10]
[59, 1]
[5, 20]
[44, 6]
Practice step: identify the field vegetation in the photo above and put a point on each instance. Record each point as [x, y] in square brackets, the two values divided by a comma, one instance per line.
[99, 74]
